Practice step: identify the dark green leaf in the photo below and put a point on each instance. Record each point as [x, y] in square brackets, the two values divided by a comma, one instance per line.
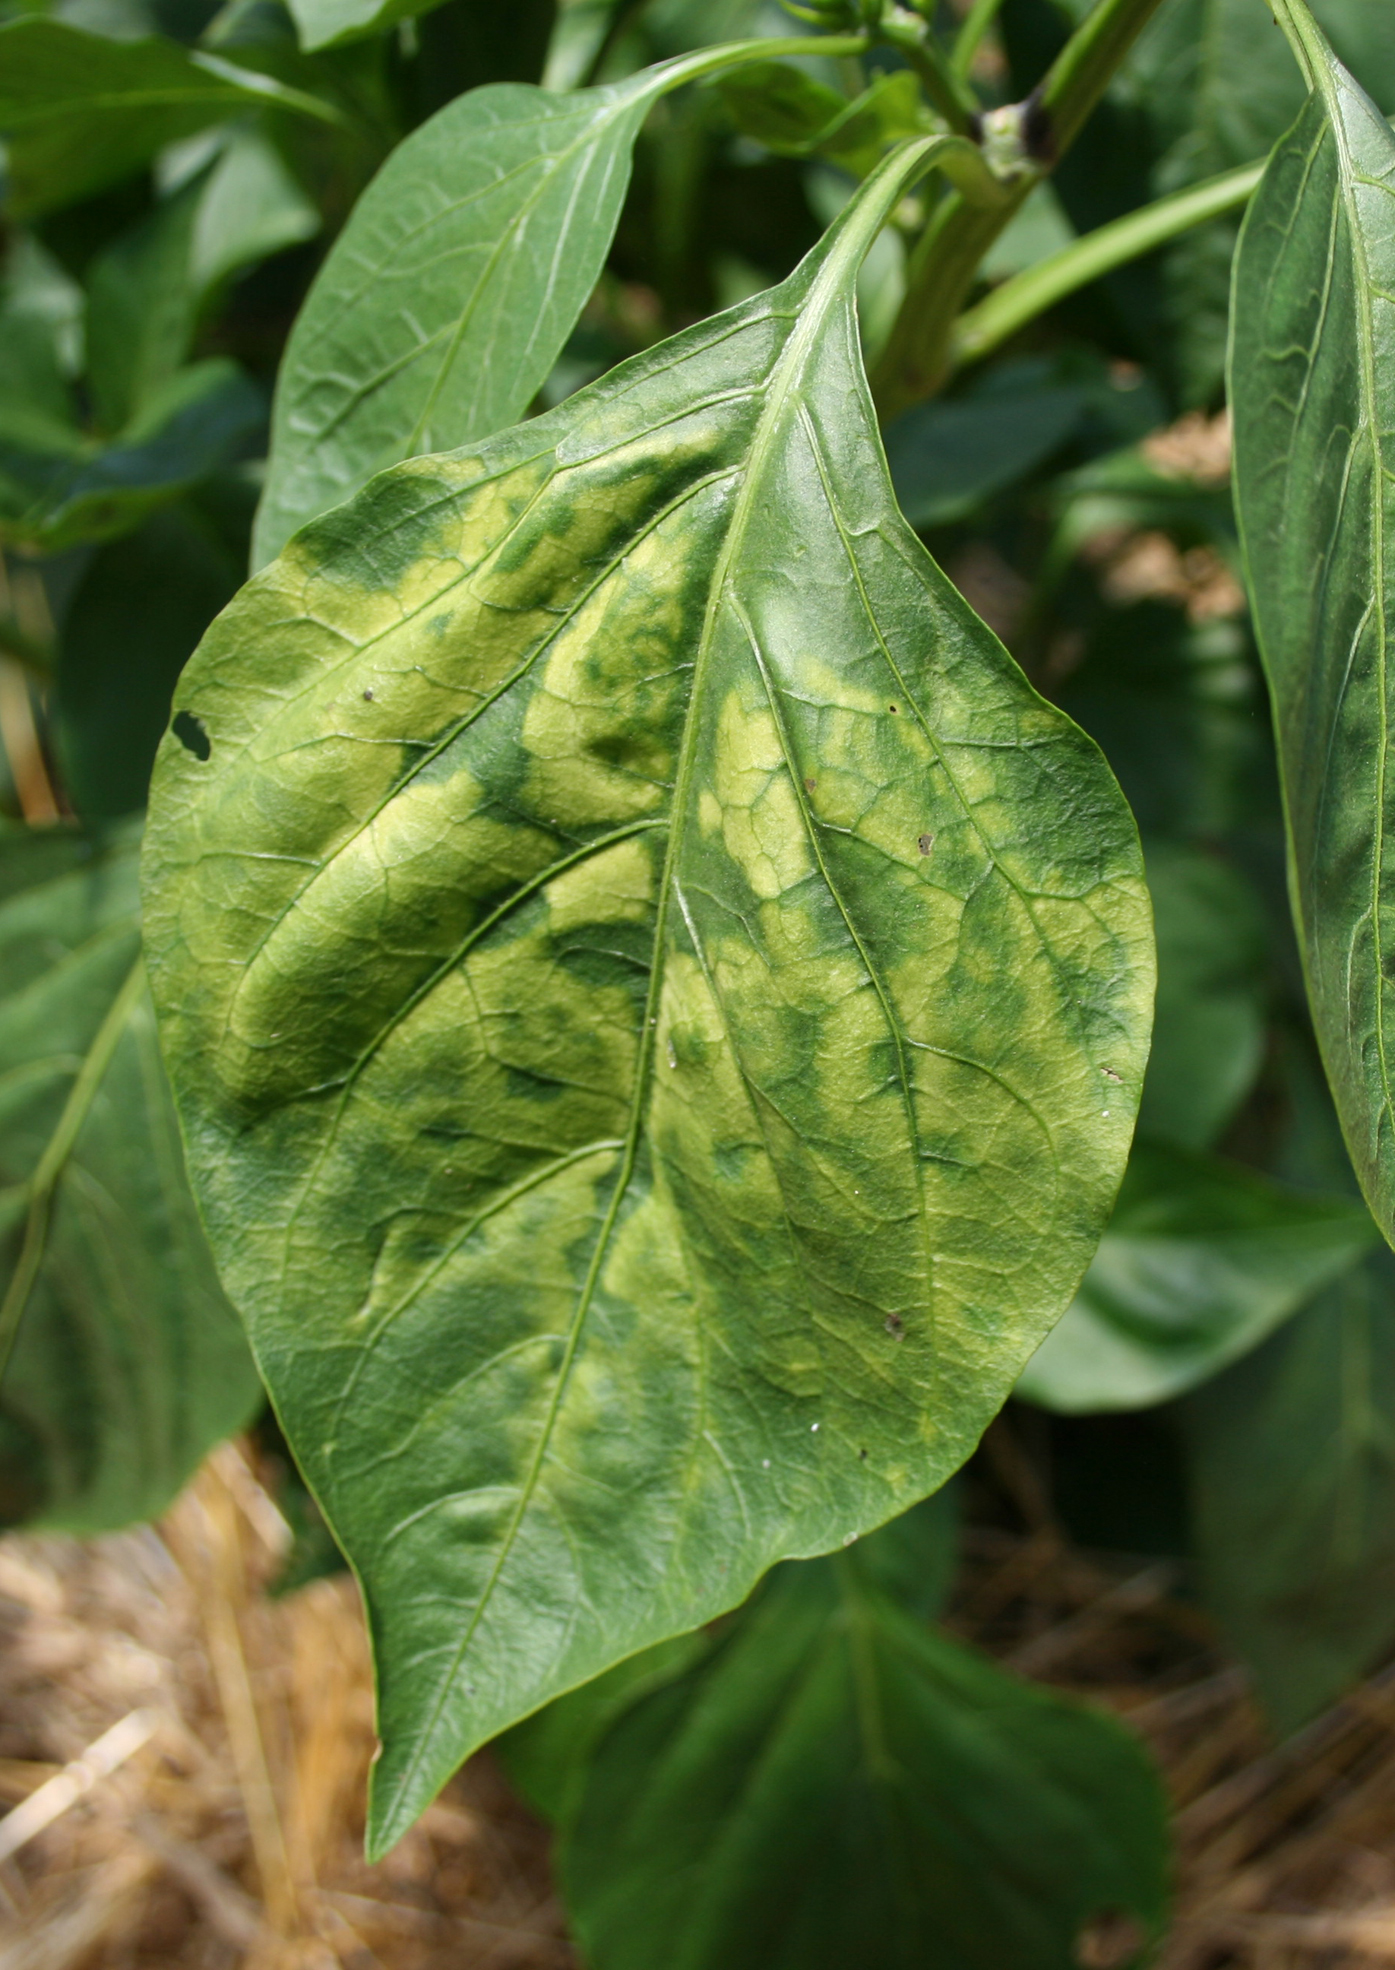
[51, 498]
[1293, 1471]
[1209, 1022]
[948, 455]
[138, 612]
[670, 987]
[912, 1559]
[129, 1364]
[789, 112]
[79, 111]
[836, 1784]
[448, 296]
[1312, 383]
[1201, 1260]
[147, 288]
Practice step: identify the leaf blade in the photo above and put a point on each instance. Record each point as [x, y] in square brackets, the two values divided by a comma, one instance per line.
[659, 1032]
[1312, 372]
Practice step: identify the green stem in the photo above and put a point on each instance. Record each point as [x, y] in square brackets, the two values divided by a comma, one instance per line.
[1030, 293]
[1304, 37]
[972, 29]
[1087, 64]
[53, 1162]
[948, 92]
[947, 257]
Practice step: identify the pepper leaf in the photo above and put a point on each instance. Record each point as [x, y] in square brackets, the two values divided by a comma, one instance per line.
[1312, 378]
[658, 1005]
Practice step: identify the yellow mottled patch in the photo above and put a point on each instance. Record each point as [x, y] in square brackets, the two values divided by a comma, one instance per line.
[616, 886]
[709, 812]
[599, 725]
[763, 826]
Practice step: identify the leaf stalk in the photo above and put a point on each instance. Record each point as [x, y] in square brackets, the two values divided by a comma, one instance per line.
[918, 355]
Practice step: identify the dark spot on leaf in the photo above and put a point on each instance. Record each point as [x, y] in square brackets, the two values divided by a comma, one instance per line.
[1110, 1075]
[190, 732]
[925, 844]
[895, 1326]
[863, 1455]
[893, 707]
[368, 697]
[811, 784]
[1109, 1940]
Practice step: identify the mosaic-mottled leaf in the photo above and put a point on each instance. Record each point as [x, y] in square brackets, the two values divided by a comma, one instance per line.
[658, 1005]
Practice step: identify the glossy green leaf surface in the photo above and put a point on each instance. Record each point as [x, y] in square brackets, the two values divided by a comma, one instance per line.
[1201, 1260]
[447, 298]
[836, 1783]
[129, 1363]
[1312, 379]
[79, 110]
[1292, 1456]
[639, 962]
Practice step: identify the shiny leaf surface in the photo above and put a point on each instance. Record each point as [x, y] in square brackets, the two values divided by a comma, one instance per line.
[1201, 1260]
[836, 1783]
[641, 965]
[1312, 379]
[128, 1363]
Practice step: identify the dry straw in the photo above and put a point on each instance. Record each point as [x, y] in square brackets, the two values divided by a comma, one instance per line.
[184, 1758]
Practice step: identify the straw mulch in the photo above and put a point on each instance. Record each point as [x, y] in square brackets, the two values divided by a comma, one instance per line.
[198, 1752]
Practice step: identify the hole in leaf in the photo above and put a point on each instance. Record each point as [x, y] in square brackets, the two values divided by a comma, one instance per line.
[893, 707]
[191, 733]
[895, 1326]
[925, 843]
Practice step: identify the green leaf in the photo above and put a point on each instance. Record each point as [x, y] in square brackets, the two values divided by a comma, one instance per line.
[912, 1559]
[1201, 1260]
[1209, 1022]
[329, 23]
[146, 289]
[60, 487]
[79, 111]
[1175, 117]
[448, 296]
[129, 1364]
[836, 1784]
[949, 455]
[132, 624]
[446, 300]
[1312, 380]
[669, 986]
[1292, 1456]
[790, 113]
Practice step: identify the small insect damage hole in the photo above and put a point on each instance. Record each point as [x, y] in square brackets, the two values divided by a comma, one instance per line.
[368, 697]
[925, 843]
[893, 707]
[1110, 1075]
[192, 734]
[895, 1326]
[1110, 1940]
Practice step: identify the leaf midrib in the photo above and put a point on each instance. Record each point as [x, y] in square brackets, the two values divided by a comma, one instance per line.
[809, 322]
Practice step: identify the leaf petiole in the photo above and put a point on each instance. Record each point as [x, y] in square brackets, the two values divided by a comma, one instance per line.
[1010, 307]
